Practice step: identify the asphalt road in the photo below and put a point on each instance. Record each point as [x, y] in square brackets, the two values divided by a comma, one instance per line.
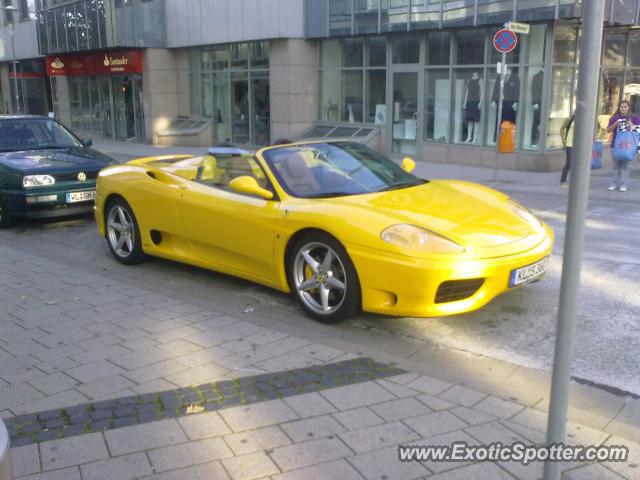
[517, 327]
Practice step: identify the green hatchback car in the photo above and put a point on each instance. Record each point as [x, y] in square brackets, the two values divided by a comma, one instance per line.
[45, 170]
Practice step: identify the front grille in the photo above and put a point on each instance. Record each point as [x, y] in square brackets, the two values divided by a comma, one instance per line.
[453, 290]
[73, 177]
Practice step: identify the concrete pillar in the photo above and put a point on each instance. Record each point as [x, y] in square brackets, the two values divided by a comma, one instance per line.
[61, 99]
[160, 90]
[293, 84]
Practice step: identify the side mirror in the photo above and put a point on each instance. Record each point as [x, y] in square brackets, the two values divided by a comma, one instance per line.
[249, 185]
[408, 164]
[87, 142]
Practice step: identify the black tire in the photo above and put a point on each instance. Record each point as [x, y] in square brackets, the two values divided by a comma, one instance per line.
[332, 291]
[6, 219]
[119, 213]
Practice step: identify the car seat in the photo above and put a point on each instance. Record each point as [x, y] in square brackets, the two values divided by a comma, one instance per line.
[297, 175]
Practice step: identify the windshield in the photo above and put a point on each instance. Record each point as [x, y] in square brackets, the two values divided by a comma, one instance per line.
[336, 169]
[33, 134]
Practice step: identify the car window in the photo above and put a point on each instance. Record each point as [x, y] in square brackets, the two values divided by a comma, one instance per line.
[335, 169]
[218, 171]
[214, 171]
[32, 134]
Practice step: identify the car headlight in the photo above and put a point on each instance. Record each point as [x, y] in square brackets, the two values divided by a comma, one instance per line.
[417, 238]
[37, 180]
[526, 214]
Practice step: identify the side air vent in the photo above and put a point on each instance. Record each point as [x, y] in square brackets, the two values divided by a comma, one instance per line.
[453, 290]
[156, 237]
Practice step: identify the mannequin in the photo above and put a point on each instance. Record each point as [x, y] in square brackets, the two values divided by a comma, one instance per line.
[510, 98]
[536, 103]
[472, 105]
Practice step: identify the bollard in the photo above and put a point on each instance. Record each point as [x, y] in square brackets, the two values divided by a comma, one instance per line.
[507, 137]
[5, 455]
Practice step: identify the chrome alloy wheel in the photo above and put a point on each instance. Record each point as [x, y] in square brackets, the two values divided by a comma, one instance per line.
[319, 278]
[121, 231]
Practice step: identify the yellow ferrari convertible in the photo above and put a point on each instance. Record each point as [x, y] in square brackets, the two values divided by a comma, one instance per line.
[340, 226]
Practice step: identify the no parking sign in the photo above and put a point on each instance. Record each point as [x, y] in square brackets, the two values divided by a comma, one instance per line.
[505, 40]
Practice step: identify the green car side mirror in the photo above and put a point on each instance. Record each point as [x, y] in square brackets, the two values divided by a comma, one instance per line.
[249, 185]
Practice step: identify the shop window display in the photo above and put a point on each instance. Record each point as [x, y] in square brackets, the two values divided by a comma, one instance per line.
[437, 105]
[233, 90]
[632, 89]
[533, 107]
[467, 108]
[353, 80]
[533, 47]
[609, 93]
[352, 96]
[510, 103]
[562, 87]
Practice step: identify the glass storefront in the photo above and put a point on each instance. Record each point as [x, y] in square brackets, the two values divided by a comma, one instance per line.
[110, 107]
[230, 85]
[99, 93]
[31, 88]
[442, 87]
[353, 80]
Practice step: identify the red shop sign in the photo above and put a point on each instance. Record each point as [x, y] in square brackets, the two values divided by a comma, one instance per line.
[102, 63]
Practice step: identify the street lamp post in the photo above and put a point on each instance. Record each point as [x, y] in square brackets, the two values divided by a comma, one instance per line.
[13, 9]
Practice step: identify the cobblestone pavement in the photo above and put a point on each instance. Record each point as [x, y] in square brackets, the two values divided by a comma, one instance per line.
[126, 411]
[73, 332]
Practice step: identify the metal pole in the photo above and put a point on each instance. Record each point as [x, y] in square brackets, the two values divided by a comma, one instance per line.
[15, 70]
[592, 22]
[503, 72]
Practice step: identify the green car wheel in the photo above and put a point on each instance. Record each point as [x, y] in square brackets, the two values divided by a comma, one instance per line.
[6, 219]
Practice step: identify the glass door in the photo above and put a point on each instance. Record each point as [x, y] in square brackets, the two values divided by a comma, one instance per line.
[406, 113]
[260, 115]
[104, 111]
[240, 107]
[122, 108]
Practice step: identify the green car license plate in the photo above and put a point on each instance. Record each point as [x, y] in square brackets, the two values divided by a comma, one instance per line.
[85, 196]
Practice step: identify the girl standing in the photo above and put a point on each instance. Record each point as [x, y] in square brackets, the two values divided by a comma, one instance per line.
[624, 119]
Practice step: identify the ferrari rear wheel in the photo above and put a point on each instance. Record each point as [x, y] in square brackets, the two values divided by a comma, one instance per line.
[123, 234]
[323, 278]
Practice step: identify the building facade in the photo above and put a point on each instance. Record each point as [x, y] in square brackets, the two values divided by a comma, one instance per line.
[409, 77]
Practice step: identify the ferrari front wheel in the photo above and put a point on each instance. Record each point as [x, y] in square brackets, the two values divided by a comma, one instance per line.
[323, 278]
[123, 234]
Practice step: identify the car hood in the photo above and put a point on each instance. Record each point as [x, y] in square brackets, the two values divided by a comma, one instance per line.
[55, 160]
[467, 213]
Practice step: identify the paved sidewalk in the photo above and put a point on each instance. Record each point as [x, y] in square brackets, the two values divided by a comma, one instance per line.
[76, 335]
[69, 337]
